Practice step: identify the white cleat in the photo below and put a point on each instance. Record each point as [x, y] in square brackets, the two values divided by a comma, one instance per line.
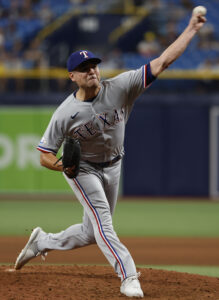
[30, 250]
[131, 287]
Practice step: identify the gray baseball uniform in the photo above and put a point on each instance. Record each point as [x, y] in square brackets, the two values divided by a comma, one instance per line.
[99, 125]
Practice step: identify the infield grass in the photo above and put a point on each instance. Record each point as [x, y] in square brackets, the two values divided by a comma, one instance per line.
[203, 270]
[132, 218]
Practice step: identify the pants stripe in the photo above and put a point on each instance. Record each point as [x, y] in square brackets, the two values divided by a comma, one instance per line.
[100, 228]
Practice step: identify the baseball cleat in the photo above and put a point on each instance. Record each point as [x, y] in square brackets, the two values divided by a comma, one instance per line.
[131, 287]
[30, 250]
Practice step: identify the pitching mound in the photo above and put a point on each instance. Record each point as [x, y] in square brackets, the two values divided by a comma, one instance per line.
[99, 282]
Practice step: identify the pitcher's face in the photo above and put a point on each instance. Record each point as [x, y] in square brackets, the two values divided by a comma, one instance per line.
[86, 76]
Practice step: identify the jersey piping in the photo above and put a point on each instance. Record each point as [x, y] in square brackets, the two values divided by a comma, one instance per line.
[46, 150]
[147, 76]
[100, 228]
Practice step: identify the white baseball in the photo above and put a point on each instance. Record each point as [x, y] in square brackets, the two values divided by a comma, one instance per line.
[199, 10]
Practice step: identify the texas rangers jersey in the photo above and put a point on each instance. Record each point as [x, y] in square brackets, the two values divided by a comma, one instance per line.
[98, 123]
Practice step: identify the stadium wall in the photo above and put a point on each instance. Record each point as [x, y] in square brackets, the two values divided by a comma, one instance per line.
[167, 146]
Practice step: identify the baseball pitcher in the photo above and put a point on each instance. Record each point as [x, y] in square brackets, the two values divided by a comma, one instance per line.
[94, 116]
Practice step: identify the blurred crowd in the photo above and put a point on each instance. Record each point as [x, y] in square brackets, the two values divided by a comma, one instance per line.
[21, 21]
[169, 19]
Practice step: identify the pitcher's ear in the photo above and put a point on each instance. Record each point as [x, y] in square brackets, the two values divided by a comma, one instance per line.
[71, 76]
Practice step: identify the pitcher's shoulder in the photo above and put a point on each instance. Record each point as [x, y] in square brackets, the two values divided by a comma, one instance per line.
[67, 103]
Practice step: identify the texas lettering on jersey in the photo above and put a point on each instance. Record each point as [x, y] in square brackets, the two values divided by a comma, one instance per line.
[102, 122]
[98, 124]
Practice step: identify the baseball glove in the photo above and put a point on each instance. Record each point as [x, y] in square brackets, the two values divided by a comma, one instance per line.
[71, 157]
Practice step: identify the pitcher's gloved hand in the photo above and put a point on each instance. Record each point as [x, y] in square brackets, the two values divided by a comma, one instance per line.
[70, 172]
[71, 157]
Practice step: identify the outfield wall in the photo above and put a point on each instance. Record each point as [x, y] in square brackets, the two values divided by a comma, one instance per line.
[167, 148]
[21, 129]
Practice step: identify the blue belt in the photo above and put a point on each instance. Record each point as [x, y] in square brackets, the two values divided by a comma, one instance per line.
[105, 164]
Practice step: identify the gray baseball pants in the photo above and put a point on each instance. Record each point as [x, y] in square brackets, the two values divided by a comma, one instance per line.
[96, 189]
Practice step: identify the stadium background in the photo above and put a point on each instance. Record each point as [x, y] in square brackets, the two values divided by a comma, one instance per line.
[172, 135]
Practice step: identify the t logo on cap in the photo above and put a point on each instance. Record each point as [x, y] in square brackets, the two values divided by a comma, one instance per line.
[84, 53]
[79, 57]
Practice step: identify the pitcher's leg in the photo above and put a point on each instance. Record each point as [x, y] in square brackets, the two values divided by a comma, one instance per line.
[111, 177]
[75, 236]
[40, 242]
[89, 190]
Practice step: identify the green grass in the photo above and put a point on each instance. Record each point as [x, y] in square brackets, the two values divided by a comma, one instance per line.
[132, 218]
[203, 270]
[18, 218]
[167, 218]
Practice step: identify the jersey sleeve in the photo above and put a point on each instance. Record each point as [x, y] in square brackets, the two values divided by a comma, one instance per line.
[140, 79]
[53, 137]
[135, 82]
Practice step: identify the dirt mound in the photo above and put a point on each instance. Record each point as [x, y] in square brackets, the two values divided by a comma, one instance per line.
[45, 282]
